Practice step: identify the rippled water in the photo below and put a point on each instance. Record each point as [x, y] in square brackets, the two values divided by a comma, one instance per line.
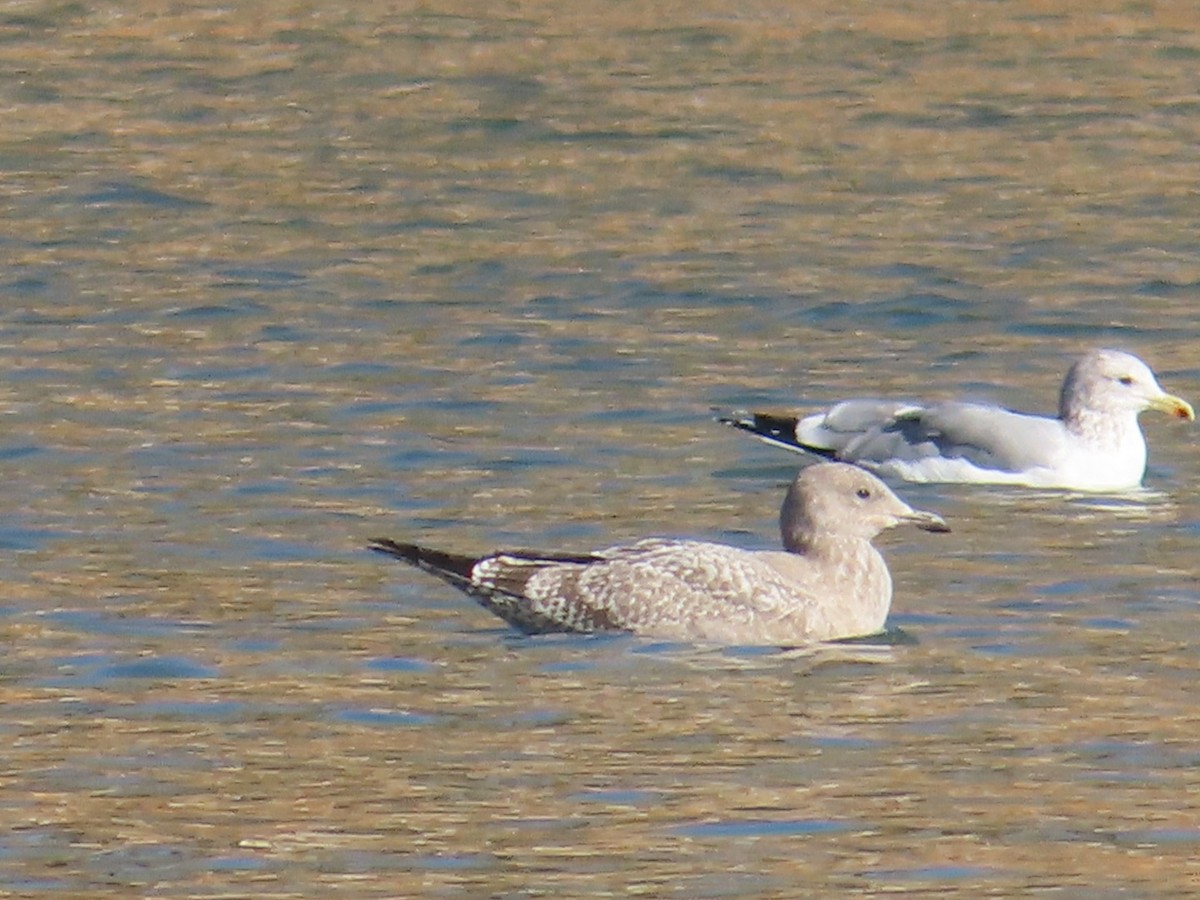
[282, 278]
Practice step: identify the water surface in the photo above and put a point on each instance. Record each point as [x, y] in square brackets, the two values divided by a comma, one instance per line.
[281, 279]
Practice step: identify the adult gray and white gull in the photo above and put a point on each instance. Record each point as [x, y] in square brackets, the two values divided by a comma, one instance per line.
[1094, 444]
[827, 583]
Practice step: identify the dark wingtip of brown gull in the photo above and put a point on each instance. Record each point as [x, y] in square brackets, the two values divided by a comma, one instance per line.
[502, 592]
[454, 566]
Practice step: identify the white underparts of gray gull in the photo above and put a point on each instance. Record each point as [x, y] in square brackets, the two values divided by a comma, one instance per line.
[827, 583]
[1094, 444]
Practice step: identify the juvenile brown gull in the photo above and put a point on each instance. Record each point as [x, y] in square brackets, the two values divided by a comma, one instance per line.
[1095, 443]
[827, 583]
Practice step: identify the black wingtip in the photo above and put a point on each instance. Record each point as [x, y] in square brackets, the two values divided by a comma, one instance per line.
[775, 429]
[410, 553]
[455, 567]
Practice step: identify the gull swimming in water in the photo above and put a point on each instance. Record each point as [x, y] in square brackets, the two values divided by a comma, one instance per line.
[827, 583]
[1094, 444]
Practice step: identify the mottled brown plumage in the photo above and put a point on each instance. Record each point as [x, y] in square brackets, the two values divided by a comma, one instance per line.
[827, 583]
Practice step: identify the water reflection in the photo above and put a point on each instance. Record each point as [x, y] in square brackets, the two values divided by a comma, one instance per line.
[278, 279]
